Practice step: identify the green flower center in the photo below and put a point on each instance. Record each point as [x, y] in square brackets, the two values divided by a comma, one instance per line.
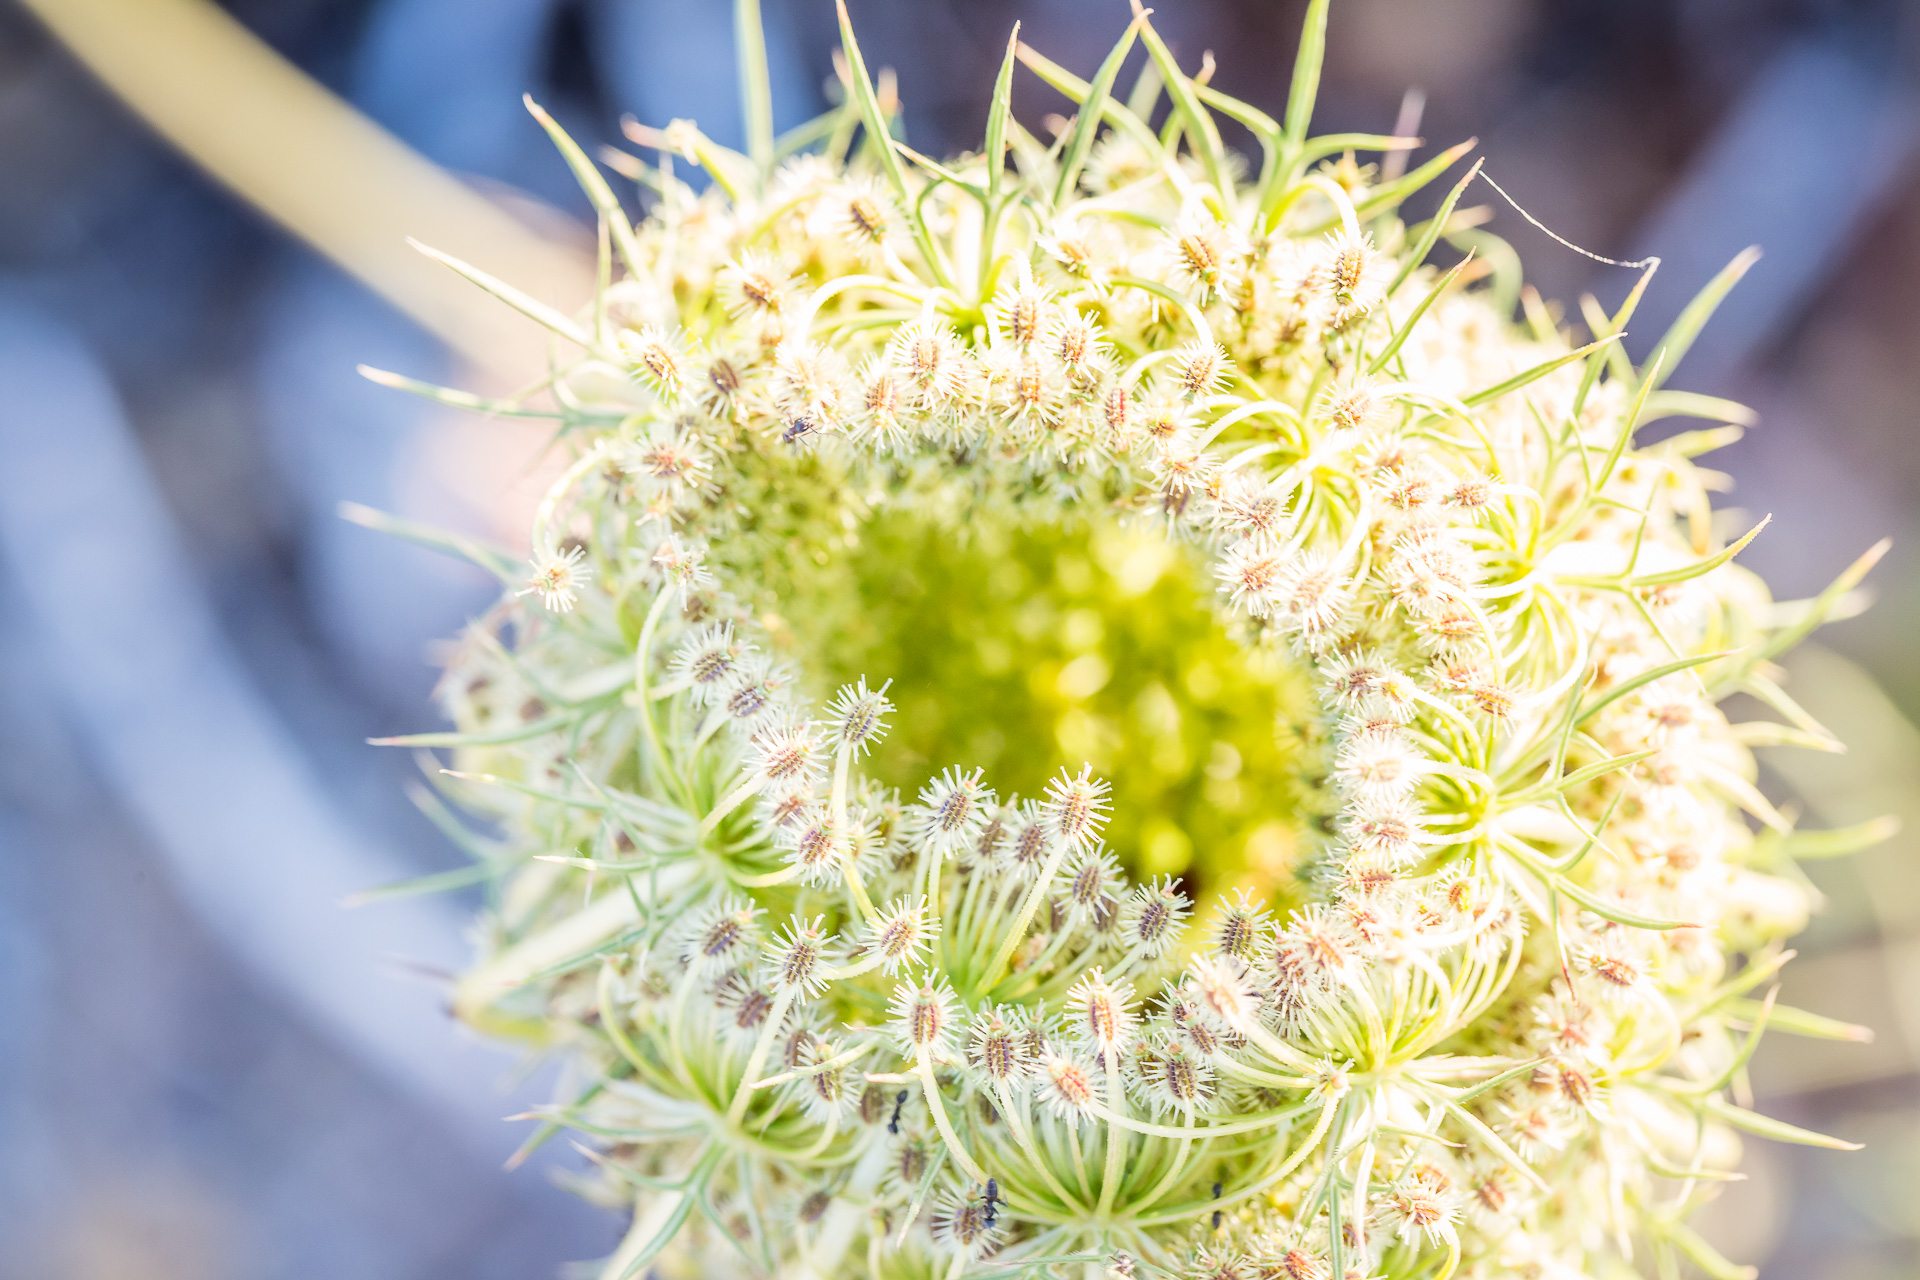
[1019, 645]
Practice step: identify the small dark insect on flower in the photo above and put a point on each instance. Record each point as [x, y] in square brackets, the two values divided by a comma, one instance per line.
[899, 1101]
[991, 1202]
[1218, 1217]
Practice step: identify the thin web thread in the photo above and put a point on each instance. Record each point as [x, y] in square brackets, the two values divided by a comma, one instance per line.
[1585, 253]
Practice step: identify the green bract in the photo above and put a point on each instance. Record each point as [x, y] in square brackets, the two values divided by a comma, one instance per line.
[1117, 450]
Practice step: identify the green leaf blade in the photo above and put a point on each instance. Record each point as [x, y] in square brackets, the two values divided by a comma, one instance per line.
[1202, 133]
[1779, 1130]
[1305, 87]
[1679, 338]
[528, 306]
[1093, 107]
[1838, 842]
[756, 88]
[999, 113]
[593, 183]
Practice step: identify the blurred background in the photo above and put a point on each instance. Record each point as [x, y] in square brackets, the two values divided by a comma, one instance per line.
[208, 1067]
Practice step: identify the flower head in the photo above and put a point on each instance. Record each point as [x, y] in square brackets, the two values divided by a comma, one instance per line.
[1155, 916]
[1442, 566]
[744, 1003]
[707, 658]
[1169, 1075]
[1240, 928]
[789, 756]
[923, 1017]
[866, 216]
[1201, 369]
[1205, 256]
[756, 284]
[1093, 885]
[756, 694]
[965, 1226]
[952, 810]
[558, 577]
[827, 1090]
[1221, 993]
[683, 566]
[1349, 278]
[857, 716]
[1098, 1012]
[818, 846]
[998, 1046]
[659, 361]
[901, 932]
[1076, 807]
[799, 956]
[1067, 1087]
[721, 936]
[667, 460]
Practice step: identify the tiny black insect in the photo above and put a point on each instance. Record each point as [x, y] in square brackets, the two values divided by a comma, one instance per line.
[1217, 1215]
[992, 1200]
[899, 1101]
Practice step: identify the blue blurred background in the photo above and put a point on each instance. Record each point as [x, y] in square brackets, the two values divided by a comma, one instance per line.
[208, 1067]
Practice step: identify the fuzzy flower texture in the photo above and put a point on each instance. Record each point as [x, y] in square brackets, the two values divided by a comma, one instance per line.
[1495, 1018]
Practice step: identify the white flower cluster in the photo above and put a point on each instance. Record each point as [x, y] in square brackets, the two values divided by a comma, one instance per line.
[816, 1030]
